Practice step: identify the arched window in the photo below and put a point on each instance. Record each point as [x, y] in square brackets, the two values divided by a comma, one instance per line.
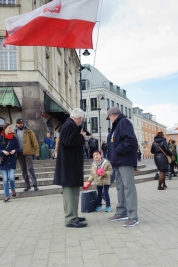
[2, 121]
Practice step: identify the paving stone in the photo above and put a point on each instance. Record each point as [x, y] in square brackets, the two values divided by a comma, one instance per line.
[41, 254]
[110, 260]
[33, 233]
[74, 262]
[73, 252]
[56, 259]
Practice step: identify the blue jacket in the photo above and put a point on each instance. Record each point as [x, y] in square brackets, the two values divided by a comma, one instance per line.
[9, 162]
[49, 142]
[123, 143]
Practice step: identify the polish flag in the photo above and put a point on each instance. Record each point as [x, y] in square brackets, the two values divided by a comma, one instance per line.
[60, 23]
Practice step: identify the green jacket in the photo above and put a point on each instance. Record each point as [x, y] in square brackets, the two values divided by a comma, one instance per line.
[172, 148]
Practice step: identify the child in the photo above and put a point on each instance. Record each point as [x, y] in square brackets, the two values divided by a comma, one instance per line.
[102, 179]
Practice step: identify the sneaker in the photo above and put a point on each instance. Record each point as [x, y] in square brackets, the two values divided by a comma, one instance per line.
[117, 217]
[98, 208]
[108, 209]
[36, 188]
[13, 193]
[130, 223]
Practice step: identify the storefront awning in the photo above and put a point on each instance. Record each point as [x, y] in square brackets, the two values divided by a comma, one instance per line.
[51, 106]
[8, 98]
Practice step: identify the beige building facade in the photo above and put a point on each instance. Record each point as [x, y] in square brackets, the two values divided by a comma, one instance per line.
[40, 84]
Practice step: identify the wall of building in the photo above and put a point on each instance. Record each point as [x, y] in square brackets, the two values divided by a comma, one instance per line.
[39, 70]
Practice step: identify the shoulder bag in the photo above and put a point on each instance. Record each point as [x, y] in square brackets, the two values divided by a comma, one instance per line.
[168, 157]
[2, 155]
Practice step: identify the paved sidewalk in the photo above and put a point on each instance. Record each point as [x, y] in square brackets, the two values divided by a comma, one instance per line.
[32, 233]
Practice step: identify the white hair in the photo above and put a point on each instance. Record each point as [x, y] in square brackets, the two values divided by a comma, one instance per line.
[77, 113]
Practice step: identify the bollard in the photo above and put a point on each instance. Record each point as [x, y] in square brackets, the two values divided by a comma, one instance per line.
[44, 151]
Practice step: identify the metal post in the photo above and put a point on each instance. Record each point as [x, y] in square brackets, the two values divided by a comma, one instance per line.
[80, 71]
[99, 120]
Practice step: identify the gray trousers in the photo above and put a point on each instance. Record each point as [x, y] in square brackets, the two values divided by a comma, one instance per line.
[26, 165]
[126, 192]
[70, 202]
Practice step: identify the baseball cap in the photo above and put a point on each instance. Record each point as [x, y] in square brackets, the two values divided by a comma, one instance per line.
[19, 120]
[113, 110]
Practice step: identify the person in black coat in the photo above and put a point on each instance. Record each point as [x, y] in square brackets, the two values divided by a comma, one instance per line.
[69, 166]
[8, 149]
[160, 159]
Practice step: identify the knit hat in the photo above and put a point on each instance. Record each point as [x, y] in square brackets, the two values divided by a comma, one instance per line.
[19, 120]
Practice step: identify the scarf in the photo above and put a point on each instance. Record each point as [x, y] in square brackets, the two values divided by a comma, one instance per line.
[8, 136]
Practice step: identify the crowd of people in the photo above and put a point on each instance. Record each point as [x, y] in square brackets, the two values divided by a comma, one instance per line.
[116, 161]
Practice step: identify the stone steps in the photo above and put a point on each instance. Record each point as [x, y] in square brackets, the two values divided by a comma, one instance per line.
[49, 188]
[45, 172]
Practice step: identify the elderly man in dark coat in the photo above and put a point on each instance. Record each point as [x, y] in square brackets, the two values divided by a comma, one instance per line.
[69, 166]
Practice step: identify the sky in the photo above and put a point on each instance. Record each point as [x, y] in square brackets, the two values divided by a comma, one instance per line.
[137, 49]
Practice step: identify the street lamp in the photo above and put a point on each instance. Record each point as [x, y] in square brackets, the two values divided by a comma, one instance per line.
[85, 53]
[100, 96]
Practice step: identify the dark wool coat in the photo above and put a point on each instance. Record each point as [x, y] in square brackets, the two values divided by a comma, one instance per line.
[159, 158]
[9, 162]
[69, 162]
[123, 143]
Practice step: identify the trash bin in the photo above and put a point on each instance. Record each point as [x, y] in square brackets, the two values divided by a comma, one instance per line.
[44, 151]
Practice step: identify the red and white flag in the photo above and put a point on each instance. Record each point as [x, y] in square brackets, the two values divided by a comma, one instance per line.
[60, 23]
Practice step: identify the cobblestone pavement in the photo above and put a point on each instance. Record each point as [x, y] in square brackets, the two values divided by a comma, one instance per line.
[32, 233]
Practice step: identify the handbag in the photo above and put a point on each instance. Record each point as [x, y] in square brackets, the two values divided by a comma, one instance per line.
[1, 159]
[88, 201]
[2, 155]
[169, 159]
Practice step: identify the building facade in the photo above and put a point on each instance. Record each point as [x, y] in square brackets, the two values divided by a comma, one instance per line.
[98, 95]
[40, 84]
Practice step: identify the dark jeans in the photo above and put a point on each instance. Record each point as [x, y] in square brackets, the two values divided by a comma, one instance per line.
[105, 154]
[106, 194]
[172, 165]
[92, 149]
[26, 165]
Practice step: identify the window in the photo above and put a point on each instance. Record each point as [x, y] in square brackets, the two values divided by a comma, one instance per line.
[8, 56]
[93, 102]
[126, 111]
[137, 122]
[84, 104]
[7, 2]
[117, 104]
[129, 113]
[94, 125]
[112, 103]
[122, 108]
[107, 104]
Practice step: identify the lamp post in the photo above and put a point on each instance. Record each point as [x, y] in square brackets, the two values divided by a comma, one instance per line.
[100, 96]
[85, 53]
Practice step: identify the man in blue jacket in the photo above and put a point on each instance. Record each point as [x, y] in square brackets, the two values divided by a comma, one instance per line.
[123, 152]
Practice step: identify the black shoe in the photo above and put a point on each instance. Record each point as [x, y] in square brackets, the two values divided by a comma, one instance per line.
[164, 186]
[76, 225]
[6, 199]
[81, 219]
[27, 189]
[36, 188]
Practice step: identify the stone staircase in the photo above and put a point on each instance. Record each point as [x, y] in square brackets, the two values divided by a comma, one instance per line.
[44, 170]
